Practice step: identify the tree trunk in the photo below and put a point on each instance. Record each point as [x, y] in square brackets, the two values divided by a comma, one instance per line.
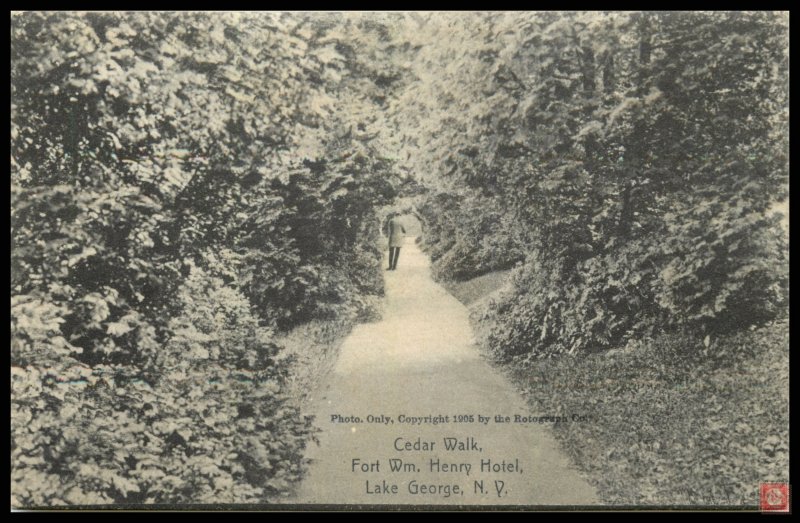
[626, 214]
[608, 73]
[587, 62]
[588, 70]
[637, 143]
[645, 49]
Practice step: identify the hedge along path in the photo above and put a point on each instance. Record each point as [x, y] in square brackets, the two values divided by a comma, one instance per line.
[418, 361]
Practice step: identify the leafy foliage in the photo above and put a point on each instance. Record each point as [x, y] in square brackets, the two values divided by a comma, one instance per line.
[634, 159]
[637, 159]
[184, 187]
[188, 187]
[206, 422]
[468, 236]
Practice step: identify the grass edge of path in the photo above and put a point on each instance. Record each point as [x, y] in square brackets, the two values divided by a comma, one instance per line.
[663, 430]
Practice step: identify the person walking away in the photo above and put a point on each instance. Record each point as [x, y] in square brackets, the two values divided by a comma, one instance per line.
[396, 237]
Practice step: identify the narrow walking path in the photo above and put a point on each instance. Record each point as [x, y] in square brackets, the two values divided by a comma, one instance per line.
[419, 361]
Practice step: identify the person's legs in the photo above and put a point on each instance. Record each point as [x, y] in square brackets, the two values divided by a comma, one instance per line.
[396, 255]
[392, 251]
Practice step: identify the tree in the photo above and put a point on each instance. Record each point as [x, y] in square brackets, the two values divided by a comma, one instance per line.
[182, 186]
[646, 200]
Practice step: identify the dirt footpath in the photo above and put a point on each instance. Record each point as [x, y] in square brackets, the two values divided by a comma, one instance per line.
[397, 377]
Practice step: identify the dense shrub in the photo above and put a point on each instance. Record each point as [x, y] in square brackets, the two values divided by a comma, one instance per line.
[607, 300]
[206, 421]
[440, 211]
[312, 250]
[633, 158]
[468, 236]
[172, 208]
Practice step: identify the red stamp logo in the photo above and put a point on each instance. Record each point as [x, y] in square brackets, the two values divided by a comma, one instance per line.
[774, 497]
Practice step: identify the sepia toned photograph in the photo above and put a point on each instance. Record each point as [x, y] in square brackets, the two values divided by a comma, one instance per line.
[406, 261]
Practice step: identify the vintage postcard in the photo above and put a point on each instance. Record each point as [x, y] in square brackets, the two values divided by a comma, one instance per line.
[400, 261]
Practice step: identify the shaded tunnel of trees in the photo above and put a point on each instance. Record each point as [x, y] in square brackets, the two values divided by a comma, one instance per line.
[187, 187]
